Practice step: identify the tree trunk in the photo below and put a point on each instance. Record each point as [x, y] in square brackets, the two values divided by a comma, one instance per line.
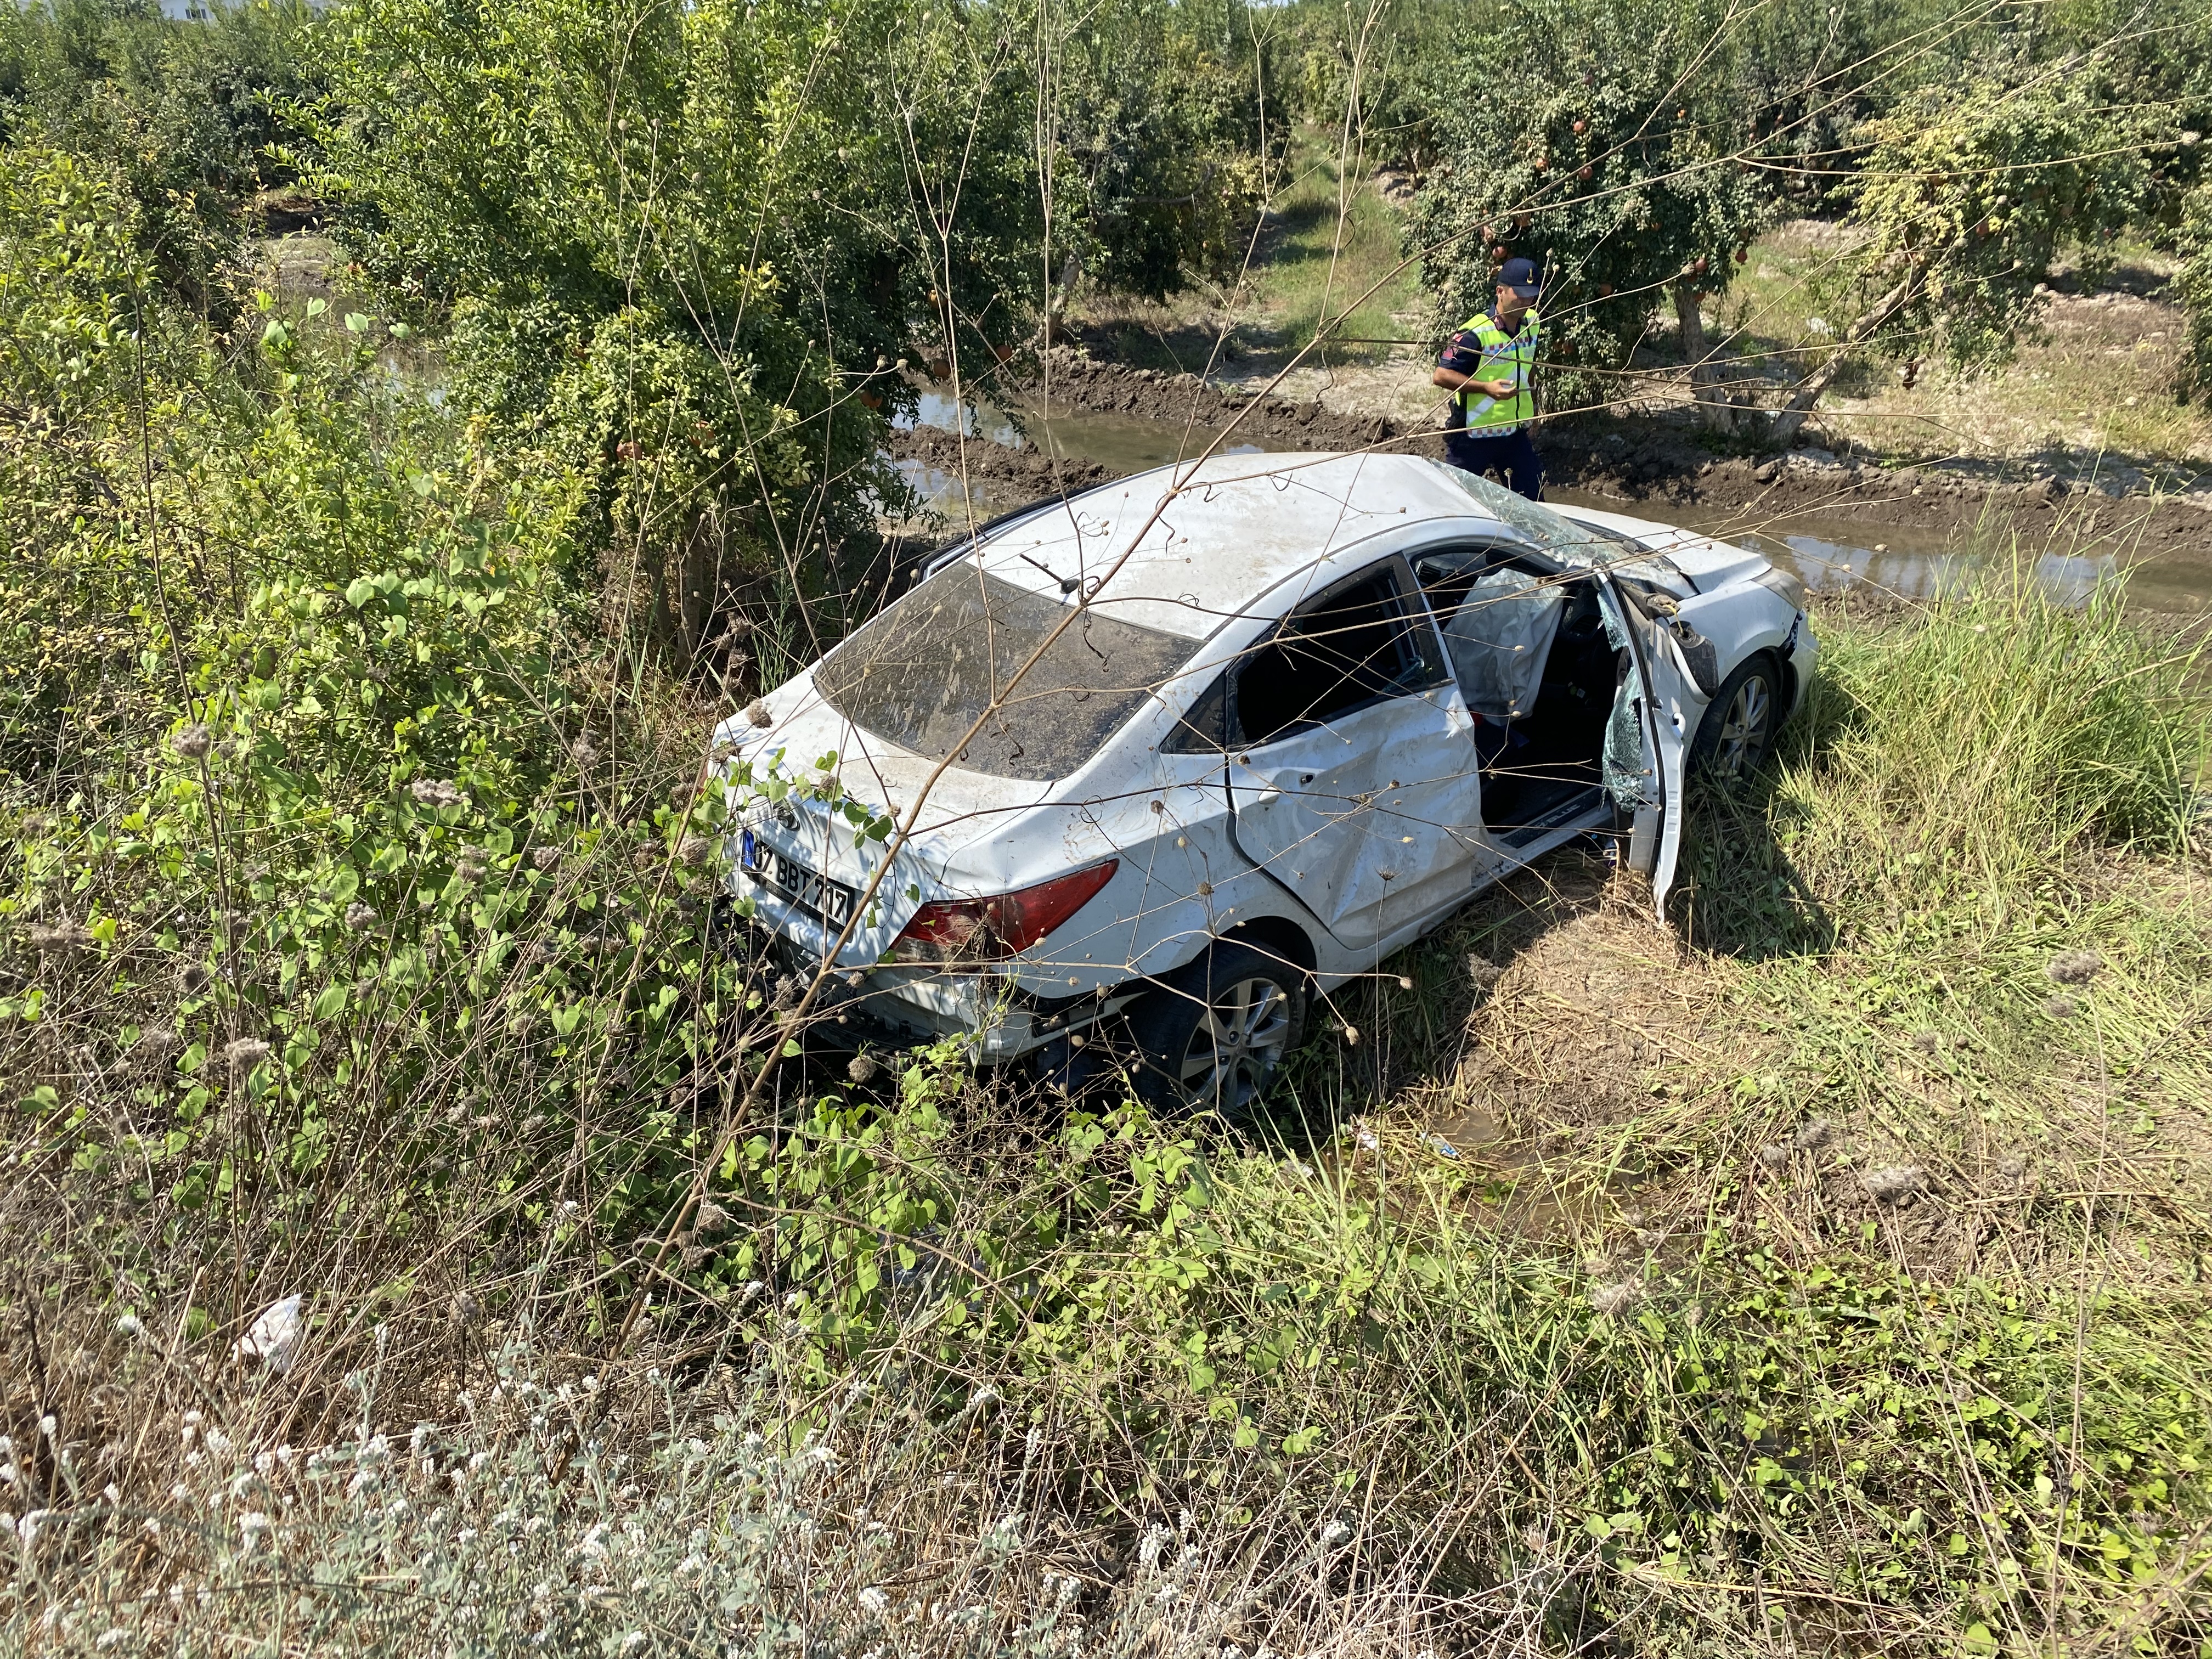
[1713, 410]
[1806, 392]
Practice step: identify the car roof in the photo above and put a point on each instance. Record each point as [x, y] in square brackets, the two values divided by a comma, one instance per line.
[1212, 538]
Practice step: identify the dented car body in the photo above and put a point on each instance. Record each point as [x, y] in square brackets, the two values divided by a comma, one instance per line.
[1307, 706]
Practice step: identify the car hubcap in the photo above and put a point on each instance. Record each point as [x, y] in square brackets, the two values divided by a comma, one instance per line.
[1233, 1053]
[1743, 732]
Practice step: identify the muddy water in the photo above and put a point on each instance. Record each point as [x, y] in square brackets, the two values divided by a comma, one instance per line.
[1830, 553]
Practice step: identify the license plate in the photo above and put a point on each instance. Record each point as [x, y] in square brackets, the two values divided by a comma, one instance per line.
[810, 890]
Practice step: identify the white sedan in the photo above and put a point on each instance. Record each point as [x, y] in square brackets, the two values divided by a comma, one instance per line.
[1173, 755]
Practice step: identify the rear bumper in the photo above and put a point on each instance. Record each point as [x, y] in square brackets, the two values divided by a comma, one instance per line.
[898, 1007]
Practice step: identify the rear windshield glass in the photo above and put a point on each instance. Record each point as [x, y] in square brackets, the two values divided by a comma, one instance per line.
[922, 672]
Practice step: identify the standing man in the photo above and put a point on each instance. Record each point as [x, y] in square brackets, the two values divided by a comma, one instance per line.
[1487, 368]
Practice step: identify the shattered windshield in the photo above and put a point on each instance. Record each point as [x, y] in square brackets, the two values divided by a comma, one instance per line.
[922, 673]
[1583, 546]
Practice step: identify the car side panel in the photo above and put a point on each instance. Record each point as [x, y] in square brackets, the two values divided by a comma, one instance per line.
[1180, 881]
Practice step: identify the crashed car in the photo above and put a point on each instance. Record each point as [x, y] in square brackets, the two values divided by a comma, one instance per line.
[1176, 755]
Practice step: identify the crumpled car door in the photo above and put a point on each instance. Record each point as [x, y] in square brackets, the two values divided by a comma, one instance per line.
[1374, 819]
[1662, 689]
[1353, 777]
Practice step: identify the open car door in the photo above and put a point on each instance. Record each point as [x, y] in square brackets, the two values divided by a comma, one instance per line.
[1657, 717]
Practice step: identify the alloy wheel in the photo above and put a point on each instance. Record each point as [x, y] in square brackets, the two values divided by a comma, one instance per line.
[1239, 1040]
[1744, 730]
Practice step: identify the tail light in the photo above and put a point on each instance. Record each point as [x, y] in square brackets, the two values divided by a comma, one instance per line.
[982, 930]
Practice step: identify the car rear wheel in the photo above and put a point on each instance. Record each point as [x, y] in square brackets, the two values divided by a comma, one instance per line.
[1737, 734]
[1213, 1036]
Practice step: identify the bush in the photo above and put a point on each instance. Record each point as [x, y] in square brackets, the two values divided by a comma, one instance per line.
[187, 112]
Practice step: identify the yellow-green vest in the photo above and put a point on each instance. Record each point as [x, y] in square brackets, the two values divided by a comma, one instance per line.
[1504, 357]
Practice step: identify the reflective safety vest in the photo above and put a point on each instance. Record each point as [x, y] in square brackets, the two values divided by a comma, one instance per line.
[1503, 357]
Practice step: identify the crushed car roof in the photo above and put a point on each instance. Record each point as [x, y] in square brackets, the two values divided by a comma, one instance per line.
[1237, 525]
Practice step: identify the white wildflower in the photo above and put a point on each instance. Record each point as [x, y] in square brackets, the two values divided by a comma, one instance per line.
[1614, 1300]
[874, 1601]
[1893, 1183]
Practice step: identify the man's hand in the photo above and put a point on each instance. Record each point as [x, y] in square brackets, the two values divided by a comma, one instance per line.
[1452, 380]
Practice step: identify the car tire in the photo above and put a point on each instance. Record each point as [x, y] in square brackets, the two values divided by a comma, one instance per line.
[1737, 734]
[1212, 1036]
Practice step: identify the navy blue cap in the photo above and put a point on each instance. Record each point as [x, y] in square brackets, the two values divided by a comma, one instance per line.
[1520, 276]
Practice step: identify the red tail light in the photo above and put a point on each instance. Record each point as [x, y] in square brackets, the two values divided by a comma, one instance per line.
[982, 930]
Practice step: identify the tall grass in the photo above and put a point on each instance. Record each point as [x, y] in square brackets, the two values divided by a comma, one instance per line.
[2005, 739]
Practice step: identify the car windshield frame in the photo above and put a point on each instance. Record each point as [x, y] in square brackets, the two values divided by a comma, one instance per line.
[922, 672]
[1585, 547]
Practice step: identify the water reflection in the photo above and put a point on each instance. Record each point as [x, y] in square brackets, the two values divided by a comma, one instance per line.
[974, 419]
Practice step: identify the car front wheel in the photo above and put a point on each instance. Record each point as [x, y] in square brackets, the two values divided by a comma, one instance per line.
[1737, 734]
[1212, 1036]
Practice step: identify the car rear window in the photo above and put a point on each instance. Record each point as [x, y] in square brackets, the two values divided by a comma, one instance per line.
[921, 674]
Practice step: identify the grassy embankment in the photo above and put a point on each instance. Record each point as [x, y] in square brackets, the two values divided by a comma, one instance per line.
[2095, 383]
[1838, 1276]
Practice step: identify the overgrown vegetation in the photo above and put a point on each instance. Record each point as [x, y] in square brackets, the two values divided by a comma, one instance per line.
[1827, 1272]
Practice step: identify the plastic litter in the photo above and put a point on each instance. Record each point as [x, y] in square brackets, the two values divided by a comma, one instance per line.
[274, 1337]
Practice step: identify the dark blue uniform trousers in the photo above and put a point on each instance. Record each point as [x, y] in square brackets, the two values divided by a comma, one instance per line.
[1511, 454]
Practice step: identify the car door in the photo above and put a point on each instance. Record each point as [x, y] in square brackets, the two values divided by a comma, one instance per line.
[1353, 777]
[1662, 687]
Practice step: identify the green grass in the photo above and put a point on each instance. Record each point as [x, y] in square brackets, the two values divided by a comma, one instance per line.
[1331, 239]
[1328, 239]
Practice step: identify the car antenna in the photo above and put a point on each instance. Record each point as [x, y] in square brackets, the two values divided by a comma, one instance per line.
[1067, 584]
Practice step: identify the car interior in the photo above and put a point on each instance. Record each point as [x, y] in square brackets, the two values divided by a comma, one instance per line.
[1541, 730]
[1355, 644]
[1352, 648]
